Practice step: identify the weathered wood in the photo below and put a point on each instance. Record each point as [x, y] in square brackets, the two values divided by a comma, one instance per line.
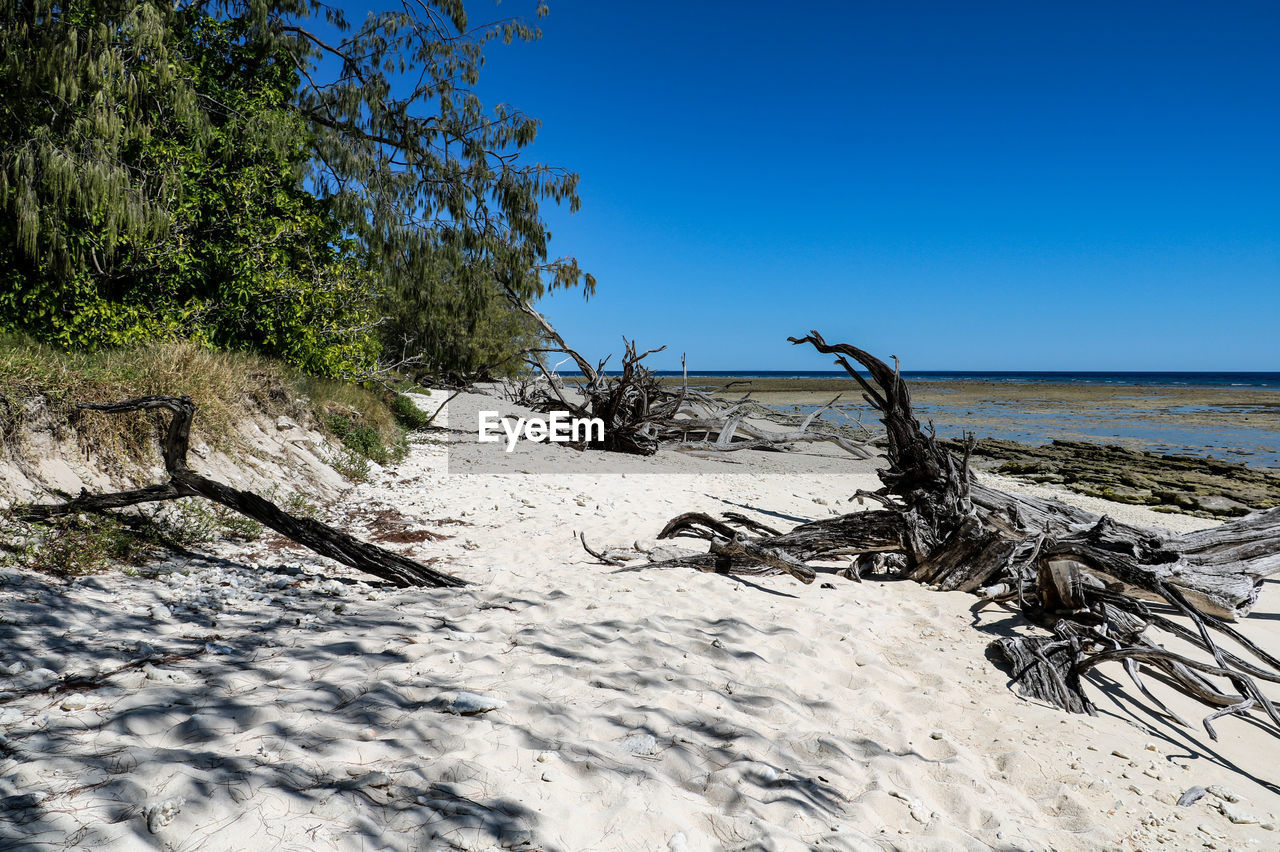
[603, 557]
[640, 413]
[733, 434]
[184, 482]
[828, 539]
[1220, 569]
[771, 556]
[99, 503]
[626, 403]
[1045, 668]
[1084, 577]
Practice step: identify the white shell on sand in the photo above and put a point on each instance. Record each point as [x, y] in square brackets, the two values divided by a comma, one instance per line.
[161, 814]
[640, 743]
[74, 701]
[469, 704]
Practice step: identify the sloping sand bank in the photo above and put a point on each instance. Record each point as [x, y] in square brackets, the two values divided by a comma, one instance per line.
[564, 704]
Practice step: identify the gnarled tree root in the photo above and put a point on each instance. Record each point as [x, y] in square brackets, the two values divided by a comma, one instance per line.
[1085, 578]
[639, 413]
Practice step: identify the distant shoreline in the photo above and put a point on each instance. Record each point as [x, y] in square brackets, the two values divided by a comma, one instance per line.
[1259, 379]
[957, 391]
[1023, 424]
[1227, 437]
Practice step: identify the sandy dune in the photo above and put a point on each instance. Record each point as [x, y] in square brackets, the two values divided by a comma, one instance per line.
[564, 704]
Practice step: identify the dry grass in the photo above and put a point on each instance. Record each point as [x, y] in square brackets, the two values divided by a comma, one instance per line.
[41, 386]
[39, 383]
[330, 397]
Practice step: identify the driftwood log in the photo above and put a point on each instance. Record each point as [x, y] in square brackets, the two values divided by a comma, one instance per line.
[1102, 589]
[640, 413]
[184, 482]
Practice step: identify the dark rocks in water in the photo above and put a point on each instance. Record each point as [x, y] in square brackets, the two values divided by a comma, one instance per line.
[1210, 488]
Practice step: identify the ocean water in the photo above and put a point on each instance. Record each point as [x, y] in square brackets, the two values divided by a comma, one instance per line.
[1253, 440]
[1150, 430]
[1245, 434]
[1148, 378]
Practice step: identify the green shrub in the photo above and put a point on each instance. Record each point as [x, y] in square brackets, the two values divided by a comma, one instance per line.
[197, 521]
[365, 440]
[409, 415]
[74, 545]
[351, 464]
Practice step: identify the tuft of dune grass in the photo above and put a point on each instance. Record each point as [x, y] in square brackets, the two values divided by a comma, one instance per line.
[41, 386]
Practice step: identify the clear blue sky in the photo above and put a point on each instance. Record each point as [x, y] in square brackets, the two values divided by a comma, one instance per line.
[977, 185]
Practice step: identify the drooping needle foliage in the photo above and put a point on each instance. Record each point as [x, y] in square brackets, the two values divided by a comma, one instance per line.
[267, 176]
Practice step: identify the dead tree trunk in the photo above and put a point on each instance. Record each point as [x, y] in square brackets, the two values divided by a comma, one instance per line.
[1086, 578]
[184, 482]
[640, 413]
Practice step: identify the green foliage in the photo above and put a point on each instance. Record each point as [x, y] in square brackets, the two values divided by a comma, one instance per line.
[300, 506]
[153, 183]
[86, 87]
[211, 173]
[76, 545]
[352, 403]
[351, 463]
[420, 171]
[365, 440]
[194, 521]
[362, 421]
[408, 415]
[434, 320]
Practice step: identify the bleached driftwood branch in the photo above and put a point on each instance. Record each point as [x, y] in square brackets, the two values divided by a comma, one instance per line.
[184, 482]
[1087, 579]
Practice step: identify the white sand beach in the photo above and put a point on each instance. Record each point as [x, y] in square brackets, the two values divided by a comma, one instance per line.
[562, 704]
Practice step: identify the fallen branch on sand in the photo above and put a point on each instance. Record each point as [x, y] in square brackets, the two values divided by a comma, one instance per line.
[640, 412]
[184, 482]
[1086, 579]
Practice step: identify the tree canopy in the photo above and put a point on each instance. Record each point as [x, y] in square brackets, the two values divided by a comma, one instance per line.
[267, 176]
